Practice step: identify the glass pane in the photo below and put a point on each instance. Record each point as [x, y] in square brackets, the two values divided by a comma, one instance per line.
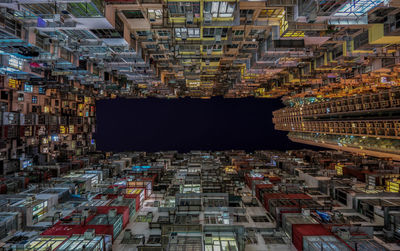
[207, 7]
[214, 8]
[222, 7]
[231, 7]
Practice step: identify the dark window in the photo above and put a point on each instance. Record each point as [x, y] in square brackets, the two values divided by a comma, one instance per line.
[244, 13]
[4, 95]
[130, 14]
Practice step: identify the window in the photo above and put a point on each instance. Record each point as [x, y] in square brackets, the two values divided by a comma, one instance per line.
[36, 109]
[249, 46]
[260, 218]
[271, 13]
[42, 90]
[143, 33]
[151, 46]
[158, 56]
[232, 46]
[215, 47]
[239, 218]
[157, 14]
[255, 32]
[15, 62]
[133, 14]
[212, 32]
[219, 9]
[238, 32]
[187, 32]
[34, 99]
[180, 8]
[213, 219]
[245, 13]
[28, 88]
[163, 33]
[21, 97]
[13, 83]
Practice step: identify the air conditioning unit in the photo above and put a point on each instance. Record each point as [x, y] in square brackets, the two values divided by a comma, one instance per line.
[249, 18]
[305, 212]
[189, 18]
[85, 212]
[217, 38]
[209, 52]
[127, 234]
[89, 234]
[344, 234]
[207, 18]
[174, 238]
[152, 16]
[31, 198]
[208, 239]
[112, 213]
[46, 41]
[184, 35]
[312, 17]
[57, 18]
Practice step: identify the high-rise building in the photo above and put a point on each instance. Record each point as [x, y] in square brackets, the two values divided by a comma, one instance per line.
[366, 123]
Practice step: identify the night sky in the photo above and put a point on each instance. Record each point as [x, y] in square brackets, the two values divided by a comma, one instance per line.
[189, 124]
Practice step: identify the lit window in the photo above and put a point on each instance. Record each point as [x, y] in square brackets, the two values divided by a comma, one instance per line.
[187, 32]
[28, 88]
[271, 13]
[13, 83]
[34, 100]
[42, 90]
[180, 8]
[15, 62]
[155, 13]
[219, 9]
